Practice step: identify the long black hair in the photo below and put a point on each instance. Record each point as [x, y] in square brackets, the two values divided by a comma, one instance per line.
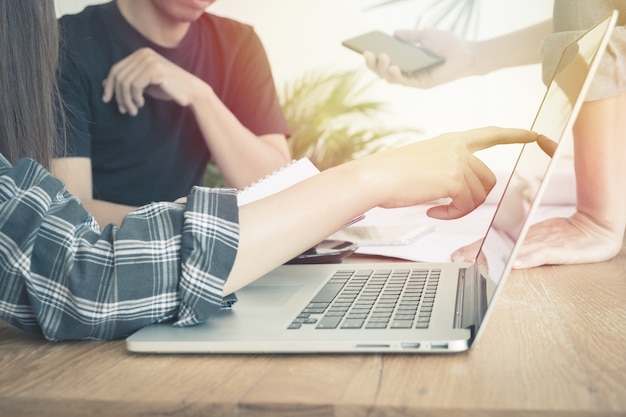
[29, 44]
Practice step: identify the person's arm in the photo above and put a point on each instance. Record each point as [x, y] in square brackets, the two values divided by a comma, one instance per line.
[242, 156]
[463, 58]
[63, 277]
[76, 174]
[513, 49]
[595, 232]
[274, 230]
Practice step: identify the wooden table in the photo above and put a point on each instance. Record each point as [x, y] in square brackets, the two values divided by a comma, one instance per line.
[556, 346]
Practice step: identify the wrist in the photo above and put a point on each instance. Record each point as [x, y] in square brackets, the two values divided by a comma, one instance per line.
[200, 95]
[365, 181]
[479, 63]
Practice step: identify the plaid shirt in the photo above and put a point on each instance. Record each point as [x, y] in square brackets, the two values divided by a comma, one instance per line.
[63, 277]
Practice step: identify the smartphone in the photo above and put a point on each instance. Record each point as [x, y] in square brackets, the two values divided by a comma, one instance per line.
[409, 57]
[383, 235]
[326, 252]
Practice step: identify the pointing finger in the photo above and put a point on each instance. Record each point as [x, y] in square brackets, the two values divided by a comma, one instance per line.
[486, 137]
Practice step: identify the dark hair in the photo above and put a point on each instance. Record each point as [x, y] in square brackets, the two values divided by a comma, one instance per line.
[29, 44]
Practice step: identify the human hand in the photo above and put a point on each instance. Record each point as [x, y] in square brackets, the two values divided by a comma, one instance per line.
[472, 253]
[146, 72]
[458, 54]
[510, 217]
[557, 241]
[443, 167]
[573, 240]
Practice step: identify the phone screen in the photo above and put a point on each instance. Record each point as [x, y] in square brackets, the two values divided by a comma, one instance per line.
[409, 57]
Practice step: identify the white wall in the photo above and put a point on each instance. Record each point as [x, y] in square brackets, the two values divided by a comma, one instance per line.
[304, 34]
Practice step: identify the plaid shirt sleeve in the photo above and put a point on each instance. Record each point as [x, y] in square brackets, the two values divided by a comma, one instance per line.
[63, 277]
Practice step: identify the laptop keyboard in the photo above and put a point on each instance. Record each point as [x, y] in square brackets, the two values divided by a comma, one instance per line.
[372, 299]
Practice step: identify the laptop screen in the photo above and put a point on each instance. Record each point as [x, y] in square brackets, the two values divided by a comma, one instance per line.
[554, 119]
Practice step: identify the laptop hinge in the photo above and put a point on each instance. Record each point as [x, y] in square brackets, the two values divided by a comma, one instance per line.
[471, 303]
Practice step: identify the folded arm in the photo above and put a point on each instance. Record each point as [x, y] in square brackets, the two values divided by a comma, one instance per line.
[242, 156]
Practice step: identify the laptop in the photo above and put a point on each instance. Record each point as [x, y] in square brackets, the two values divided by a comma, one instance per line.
[400, 307]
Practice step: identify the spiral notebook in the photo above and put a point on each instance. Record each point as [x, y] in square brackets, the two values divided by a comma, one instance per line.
[285, 177]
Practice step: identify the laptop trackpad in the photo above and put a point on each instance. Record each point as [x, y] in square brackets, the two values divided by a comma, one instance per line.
[266, 295]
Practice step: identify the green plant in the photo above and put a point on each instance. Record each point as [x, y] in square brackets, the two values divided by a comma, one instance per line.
[330, 120]
[212, 177]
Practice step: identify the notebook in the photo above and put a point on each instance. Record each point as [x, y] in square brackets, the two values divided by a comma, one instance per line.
[287, 176]
[404, 307]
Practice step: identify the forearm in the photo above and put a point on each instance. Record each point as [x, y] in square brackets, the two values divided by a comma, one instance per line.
[600, 152]
[277, 228]
[513, 49]
[241, 156]
[274, 230]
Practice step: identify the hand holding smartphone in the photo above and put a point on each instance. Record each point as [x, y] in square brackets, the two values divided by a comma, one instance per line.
[409, 57]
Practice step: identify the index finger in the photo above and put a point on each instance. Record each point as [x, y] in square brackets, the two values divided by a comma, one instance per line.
[107, 89]
[485, 137]
[547, 145]
[108, 84]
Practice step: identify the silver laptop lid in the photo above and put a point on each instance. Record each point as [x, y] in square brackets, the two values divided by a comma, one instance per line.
[558, 111]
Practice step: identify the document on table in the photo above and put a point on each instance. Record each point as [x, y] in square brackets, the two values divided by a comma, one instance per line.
[445, 236]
